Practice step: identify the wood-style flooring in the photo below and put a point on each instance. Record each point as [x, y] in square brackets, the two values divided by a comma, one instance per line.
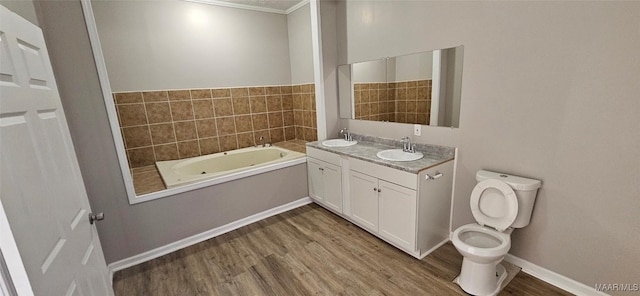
[305, 251]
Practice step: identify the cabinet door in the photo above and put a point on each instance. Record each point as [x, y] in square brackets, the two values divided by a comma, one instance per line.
[398, 214]
[316, 182]
[364, 200]
[332, 184]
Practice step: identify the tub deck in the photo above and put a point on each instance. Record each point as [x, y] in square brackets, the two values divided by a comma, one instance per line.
[148, 180]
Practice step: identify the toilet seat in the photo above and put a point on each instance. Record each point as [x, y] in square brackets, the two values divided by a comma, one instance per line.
[502, 222]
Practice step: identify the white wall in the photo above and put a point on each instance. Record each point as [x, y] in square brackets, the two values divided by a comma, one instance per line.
[370, 71]
[300, 50]
[150, 45]
[417, 66]
[549, 91]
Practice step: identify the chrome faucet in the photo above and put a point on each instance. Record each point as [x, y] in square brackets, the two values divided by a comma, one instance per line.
[346, 134]
[407, 146]
[262, 143]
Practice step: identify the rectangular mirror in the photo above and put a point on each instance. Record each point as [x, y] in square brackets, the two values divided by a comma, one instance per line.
[422, 88]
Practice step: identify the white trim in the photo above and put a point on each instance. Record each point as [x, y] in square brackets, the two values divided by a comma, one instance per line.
[194, 239]
[112, 114]
[17, 271]
[453, 190]
[558, 280]
[297, 6]
[316, 40]
[435, 91]
[250, 7]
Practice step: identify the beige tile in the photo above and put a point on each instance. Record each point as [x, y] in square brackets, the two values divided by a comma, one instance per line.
[137, 136]
[287, 102]
[299, 132]
[155, 96]
[306, 102]
[375, 108]
[203, 108]
[258, 104]
[296, 89]
[209, 146]
[260, 121]
[308, 119]
[256, 91]
[243, 124]
[411, 118]
[298, 118]
[412, 106]
[297, 101]
[422, 83]
[188, 149]
[128, 98]
[401, 106]
[285, 89]
[158, 112]
[185, 130]
[182, 110]
[139, 157]
[226, 126]
[221, 93]
[245, 140]
[206, 128]
[287, 118]
[241, 105]
[179, 95]
[274, 103]
[166, 152]
[223, 107]
[275, 119]
[132, 114]
[289, 133]
[272, 90]
[239, 92]
[200, 94]
[401, 117]
[277, 134]
[228, 143]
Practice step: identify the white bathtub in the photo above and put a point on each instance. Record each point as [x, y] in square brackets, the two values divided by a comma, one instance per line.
[226, 166]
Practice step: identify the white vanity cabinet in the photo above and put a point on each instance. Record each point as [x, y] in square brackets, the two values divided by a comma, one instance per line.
[325, 178]
[408, 210]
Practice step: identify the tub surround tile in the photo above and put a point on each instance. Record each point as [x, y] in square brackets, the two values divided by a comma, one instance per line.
[182, 123]
[179, 95]
[221, 93]
[162, 133]
[188, 149]
[228, 143]
[132, 115]
[226, 125]
[158, 112]
[182, 110]
[155, 96]
[201, 94]
[206, 128]
[203, 108]
[241, 105]
[223, 107]
[209, 146]
[147, 181]
[166, 152]
[128, 98]
[137, 136]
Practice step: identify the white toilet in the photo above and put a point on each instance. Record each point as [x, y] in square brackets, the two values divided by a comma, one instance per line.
[499, 203]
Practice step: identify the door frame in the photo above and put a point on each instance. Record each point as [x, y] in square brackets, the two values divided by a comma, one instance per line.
[18, 278]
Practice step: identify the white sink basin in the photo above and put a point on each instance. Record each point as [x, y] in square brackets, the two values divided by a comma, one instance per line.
[338, 143]
[399, 155]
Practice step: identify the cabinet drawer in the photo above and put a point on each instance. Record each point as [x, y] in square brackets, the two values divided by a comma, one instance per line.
[325, 156]
[399, 177]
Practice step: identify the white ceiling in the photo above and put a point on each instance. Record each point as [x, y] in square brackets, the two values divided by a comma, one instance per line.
[274, 6]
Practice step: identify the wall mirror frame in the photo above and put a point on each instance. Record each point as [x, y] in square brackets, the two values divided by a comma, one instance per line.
[422, 88]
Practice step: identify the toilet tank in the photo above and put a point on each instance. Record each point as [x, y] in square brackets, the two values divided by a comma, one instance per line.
[526, 190]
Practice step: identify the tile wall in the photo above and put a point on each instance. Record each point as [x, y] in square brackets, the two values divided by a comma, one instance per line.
[176, 124]
[405, 102]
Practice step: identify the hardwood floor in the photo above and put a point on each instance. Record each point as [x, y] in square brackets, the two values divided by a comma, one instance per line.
[306, 251]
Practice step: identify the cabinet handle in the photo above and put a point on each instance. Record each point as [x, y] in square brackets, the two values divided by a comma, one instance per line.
[379, 190]
[322, 169]
[436, 176]
[375, 189]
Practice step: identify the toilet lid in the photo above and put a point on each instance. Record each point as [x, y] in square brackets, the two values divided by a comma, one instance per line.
[497, 207]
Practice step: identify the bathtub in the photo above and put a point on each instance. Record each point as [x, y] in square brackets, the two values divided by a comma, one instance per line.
[226, 166]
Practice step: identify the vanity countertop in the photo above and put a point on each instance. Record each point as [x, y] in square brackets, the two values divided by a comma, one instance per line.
[368, 147]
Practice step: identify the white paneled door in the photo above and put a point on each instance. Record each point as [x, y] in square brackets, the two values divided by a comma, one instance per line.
[42, 193]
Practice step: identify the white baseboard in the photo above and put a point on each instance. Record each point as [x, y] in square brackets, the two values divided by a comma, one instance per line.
[558, 280]
[183, 243]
